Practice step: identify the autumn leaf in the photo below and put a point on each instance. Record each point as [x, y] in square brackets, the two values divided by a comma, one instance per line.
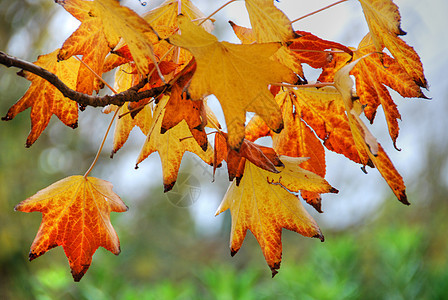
[138, 113]
[45, 99]
[89, 41]
[180, 107]
[108, 20]
[344, 84]
[297, 139]
[238, 75]
[171, 146]
[263, 203]
[368, 148]
[164, 17]
[384, 20]
[268, 22]
[373, 75]
[322, 109]
[75, 215]
[313, 50]
[283, 55]
[263, 157]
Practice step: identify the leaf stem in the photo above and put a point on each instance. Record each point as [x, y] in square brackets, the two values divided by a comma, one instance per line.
[102, 144]
[216, 11]
[319, 10]
[96, 75]
[317, 84]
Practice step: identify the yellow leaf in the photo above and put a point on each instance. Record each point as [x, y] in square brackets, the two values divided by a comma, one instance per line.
[263, 203]
[164, 17]
[124, 79]
[171, 146]
[238, 75]
[268, 22]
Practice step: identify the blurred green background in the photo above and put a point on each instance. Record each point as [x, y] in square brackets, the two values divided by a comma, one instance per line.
[394, 252]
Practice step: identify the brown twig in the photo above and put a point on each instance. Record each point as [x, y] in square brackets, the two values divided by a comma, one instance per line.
[130, 95]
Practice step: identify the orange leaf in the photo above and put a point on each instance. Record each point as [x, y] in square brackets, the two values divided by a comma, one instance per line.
[180, 107]
[45, 99]
[323, 110]
[263, 157]
[298, 140]
[368, 148]
[75, 215]
[263, 203]
[238, 75]
[111, 21]
[89, 41]
[373, 75]
[313, 50]
[384, 21]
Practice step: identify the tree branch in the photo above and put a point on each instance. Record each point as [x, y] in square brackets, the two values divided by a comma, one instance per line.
[130, 95]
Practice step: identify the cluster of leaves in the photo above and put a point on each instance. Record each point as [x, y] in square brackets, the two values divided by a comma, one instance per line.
[167, 62]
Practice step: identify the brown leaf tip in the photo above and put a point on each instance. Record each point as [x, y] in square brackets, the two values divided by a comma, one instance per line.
[404, 199]
[77, 276]
[320, 236]
[334, 191]
[74, 125]
[168, 187]
[233, 252]
[274, 268]
[6, 118]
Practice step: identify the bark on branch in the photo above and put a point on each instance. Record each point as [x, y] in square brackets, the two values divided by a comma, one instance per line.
[130, 95]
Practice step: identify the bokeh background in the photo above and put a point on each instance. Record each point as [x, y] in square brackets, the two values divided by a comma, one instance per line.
[375, 247]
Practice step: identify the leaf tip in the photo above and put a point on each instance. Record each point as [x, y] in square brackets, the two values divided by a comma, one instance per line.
[404, 199]
[168, 186]
[334, 191]
[319, 236]
[274, 268]
[78, 275]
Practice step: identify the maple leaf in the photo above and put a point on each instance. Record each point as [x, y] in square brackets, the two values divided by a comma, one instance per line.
[312, 50]
[368, 148]
[164, 17]
[298, 140]
[268, 22]
[323, 110]
[264, 204]
[45, 99]
[138, 113]
[309, 113]
[89, 41]
[283, 55]
[171, 146]
[238, 75]
[263, 157]
[75, 215]
[109, 22]
[383, 19]
[180, 107]
[373, 74]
